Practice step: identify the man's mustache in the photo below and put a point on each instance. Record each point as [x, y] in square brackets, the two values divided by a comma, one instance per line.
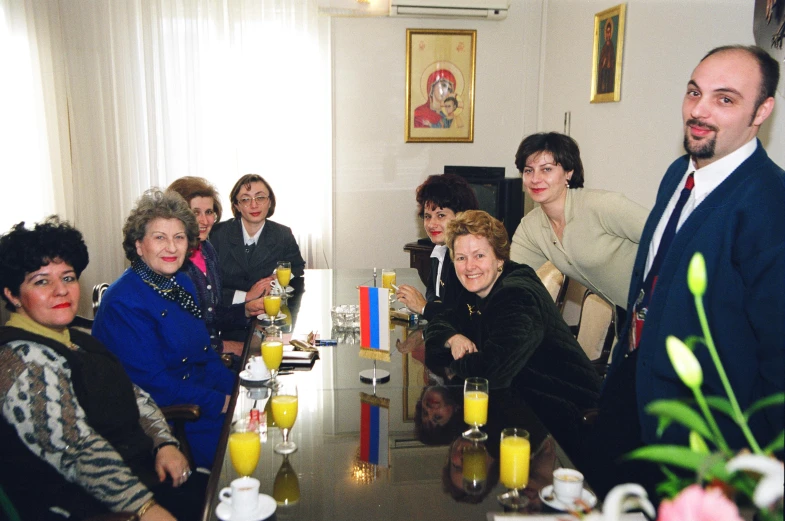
[697, 123]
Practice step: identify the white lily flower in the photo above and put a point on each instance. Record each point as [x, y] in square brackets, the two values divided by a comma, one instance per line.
[772, 481]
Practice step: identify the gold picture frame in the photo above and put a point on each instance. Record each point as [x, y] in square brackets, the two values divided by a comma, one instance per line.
[607, 54]
[440, 65]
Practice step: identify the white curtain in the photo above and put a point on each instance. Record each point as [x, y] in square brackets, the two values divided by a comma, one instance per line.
[158, 89]
[35, 170]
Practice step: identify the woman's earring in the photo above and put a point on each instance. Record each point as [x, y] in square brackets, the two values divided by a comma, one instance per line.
[500, 269]
[17, 304]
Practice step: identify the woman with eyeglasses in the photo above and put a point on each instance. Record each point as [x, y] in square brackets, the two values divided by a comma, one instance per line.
[204, 270]
[250, 245]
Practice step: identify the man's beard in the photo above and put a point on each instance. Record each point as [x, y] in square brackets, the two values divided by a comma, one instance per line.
[703, 149]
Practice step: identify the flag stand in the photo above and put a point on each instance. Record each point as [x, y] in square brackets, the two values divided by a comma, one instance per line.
[374, 376]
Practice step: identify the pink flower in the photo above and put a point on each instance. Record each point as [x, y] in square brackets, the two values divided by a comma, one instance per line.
[695, 504]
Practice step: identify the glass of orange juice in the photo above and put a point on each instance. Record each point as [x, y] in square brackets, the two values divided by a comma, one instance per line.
[475, 407]
[272, 306]
[272, 352]
[244, 447]
[284, 273]
[388, 279]
[514, 456]
[284, 414]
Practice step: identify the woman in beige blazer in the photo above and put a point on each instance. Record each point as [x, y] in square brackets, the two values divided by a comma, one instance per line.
[591, 236]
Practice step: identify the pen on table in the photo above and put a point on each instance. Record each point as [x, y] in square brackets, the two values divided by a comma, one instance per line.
[326, 342]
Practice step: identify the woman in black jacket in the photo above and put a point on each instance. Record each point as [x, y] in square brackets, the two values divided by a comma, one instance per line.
[507, 329]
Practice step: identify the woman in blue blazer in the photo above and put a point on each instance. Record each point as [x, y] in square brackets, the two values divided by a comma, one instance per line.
[150, 319]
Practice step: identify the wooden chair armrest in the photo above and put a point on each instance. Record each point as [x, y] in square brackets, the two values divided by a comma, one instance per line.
[186, 412]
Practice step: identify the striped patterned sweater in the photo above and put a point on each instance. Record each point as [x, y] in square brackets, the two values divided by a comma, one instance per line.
[38, 400]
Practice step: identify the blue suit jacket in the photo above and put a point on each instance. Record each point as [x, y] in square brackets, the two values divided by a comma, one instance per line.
[238, 272]
[740, 229]
[166, 351]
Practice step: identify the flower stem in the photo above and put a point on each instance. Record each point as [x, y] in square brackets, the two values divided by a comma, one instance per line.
[719, 440]
[739, 415]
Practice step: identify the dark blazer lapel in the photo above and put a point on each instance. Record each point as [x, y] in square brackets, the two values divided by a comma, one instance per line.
[236, 243]
[263, 251]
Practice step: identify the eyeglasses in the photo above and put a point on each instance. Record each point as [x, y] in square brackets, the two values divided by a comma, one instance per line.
[260, 199]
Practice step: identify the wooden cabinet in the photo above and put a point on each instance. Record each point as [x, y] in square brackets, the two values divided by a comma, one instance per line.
[420, 258]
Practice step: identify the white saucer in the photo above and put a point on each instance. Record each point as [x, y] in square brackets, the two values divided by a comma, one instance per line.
[288, 289]
[248, 380]
[587, 496]
[264, 509]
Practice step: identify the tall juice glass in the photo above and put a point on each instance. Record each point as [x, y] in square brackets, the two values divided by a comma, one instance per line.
[272, 305]
[475, 407]
[514, 456]
[388, 279]
[285, 413]
[272, 352]
[284, 273]
[244, 447]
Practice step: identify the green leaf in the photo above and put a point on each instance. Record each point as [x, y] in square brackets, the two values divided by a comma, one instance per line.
[673, 483]
[722, 405]
[769, 401]
[679, 412]
[777, 444]
[683, 457]
[662, 424]
[694, 341]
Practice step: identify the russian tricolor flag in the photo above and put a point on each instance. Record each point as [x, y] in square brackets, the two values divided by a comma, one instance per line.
[374, 318]
[374, 430]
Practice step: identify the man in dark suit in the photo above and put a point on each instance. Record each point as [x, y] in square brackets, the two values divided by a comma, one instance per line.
[250, 245]
[725, 199]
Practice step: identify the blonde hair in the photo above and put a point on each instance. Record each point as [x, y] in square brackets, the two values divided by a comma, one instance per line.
[479, 224]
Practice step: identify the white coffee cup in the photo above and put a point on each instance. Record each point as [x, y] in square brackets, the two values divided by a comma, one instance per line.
[257, 369]
[242, 497]
[567, 485]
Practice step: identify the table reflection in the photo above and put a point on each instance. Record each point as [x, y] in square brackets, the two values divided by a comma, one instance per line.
[428, 470]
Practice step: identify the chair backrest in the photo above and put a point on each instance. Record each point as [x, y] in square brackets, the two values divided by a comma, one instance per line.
[98, 294]
[596, 329]
[554, 281]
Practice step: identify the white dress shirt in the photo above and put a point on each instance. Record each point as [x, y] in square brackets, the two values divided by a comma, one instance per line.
[439, 252]
[706, 180]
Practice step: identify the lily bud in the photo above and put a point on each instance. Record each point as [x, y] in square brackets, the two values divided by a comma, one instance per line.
[696, 275]
[697, 443]
[684, 362]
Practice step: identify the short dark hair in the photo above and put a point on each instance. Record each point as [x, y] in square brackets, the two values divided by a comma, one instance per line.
[563, 148]
[155, 204]
[245, 182]
[446, 191]
[24, 251]
[769, 69]
[190, 187]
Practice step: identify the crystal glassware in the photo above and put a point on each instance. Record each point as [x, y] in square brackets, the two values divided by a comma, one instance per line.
[475, 407]
[285, 413]
[514, 456]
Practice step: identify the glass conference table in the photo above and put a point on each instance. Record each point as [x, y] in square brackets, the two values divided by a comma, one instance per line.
[329, 478]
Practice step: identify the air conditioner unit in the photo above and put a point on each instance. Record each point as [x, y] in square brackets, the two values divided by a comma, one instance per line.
[486, 9]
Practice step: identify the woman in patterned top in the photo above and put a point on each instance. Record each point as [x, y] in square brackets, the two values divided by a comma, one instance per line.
[76, 435]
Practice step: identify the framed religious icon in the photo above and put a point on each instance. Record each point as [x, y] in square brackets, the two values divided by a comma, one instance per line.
[607, 55]
[440, 85]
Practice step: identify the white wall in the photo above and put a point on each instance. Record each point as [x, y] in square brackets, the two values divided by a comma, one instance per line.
[627, 146]
[531, 68]
[376, 172]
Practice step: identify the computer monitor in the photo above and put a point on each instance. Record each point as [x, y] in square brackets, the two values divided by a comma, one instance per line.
[500, 196]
